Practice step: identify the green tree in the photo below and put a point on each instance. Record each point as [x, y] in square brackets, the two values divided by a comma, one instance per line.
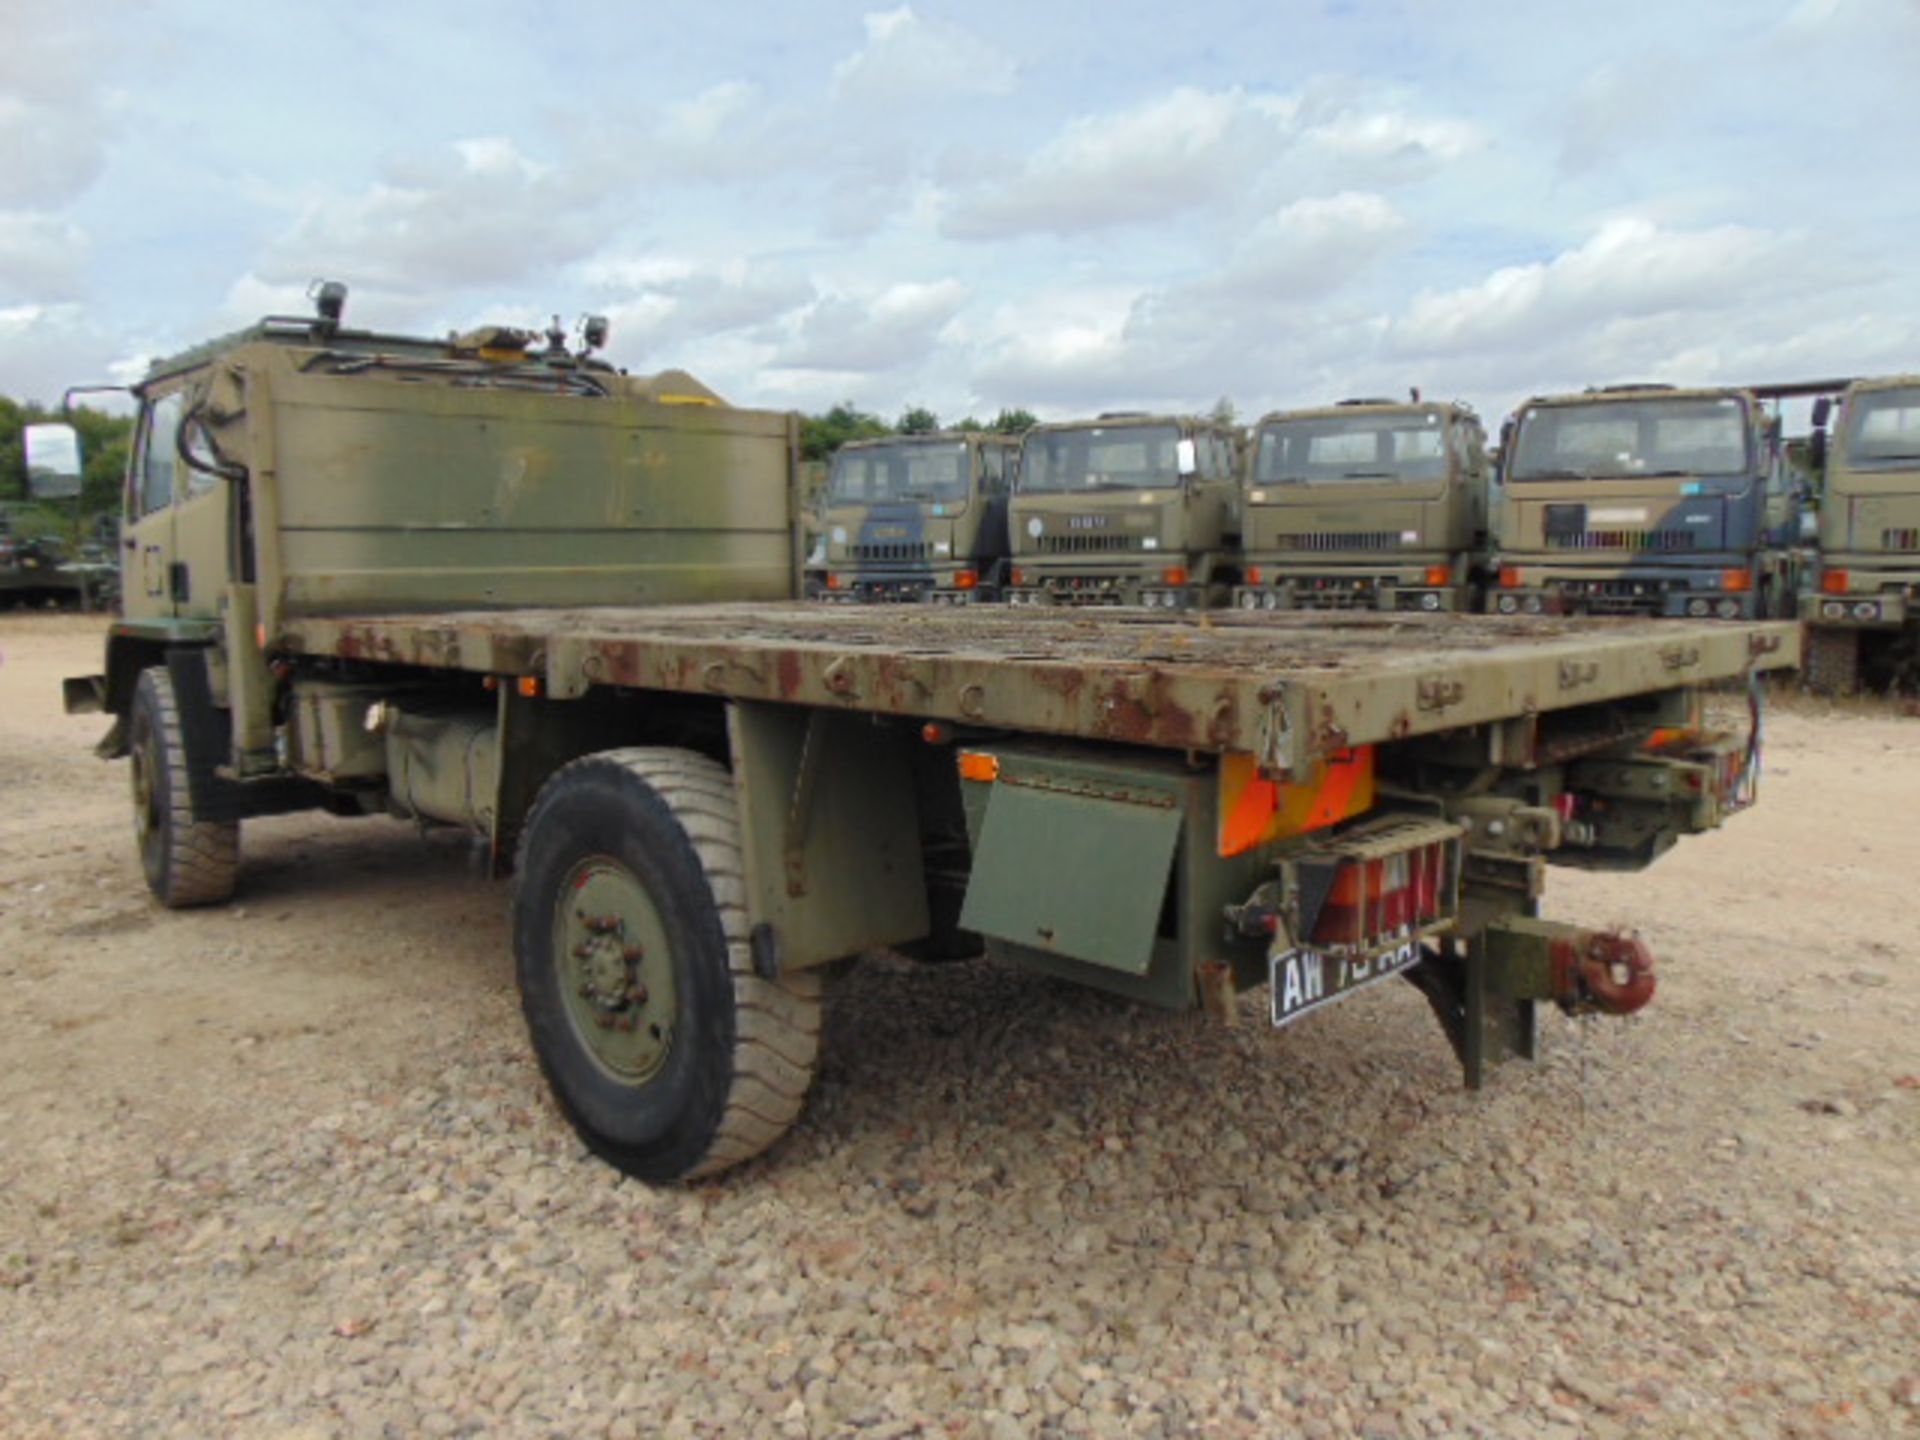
[917, 420]
[1012, 422]
[1223, 412]
[821, 435]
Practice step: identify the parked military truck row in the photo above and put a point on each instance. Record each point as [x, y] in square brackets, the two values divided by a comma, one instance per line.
[491, 584]
[1638, 500]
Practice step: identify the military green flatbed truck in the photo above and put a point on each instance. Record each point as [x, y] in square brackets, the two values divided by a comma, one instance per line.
[1365, 505]
[401, 604]
[1861, 596]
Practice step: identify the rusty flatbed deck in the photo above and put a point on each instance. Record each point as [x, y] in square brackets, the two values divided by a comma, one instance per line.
[1287, 687]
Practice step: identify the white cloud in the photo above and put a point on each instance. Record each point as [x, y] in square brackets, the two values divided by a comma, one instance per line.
[894, 328]
[660, 304]
[42, 257]
[1630, 267]
[1270, 309]
[909, 60]
[45, 348]
[1187, 148]
[491, 217]
[1388, 134]
[55, 121]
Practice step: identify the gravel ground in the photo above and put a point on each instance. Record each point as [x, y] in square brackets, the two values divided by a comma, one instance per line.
[287, 1169]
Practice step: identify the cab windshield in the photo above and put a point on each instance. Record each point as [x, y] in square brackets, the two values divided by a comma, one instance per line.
[1883, 429]
[1621, 439]
[1101, 457]
[1352, 447]
[872, 474]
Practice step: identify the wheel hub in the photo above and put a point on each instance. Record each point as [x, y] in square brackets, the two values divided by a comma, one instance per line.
[616, 972]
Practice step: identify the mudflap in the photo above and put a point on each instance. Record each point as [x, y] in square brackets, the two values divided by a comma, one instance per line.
[207, 734]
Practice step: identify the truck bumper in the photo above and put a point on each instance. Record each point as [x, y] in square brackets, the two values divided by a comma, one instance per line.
[1345, 592]
[1035, 585]
[1694, 593]
[1861, 610]
[869, 587]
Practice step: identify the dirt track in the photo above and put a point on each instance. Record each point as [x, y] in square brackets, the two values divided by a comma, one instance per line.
[286, 1167]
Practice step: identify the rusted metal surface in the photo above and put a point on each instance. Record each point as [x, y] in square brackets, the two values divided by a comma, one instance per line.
[1602, 970]
[1290, 688]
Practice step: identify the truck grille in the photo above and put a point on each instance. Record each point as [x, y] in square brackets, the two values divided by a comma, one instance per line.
[894, 550]
[1622, 540]
[1086, 544]
[1339, 540]
[1900, 539]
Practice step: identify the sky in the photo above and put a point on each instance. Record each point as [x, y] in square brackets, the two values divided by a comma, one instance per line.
[1067, 208]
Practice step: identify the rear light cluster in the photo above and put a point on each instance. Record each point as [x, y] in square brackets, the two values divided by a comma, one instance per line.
[1390, 880]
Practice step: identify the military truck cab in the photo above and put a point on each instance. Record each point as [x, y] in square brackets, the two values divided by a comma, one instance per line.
[1859, 596]
[919, 518]
[1125, 510]
[1645, 500]
[1364, 505]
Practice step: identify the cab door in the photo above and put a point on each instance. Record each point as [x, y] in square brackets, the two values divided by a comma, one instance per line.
[147, 542]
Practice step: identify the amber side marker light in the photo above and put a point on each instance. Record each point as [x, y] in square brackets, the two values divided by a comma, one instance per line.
[977, 765]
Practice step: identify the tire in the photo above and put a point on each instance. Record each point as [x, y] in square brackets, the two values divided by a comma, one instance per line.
[187, 861]
[1833, 660]
[671, 1058]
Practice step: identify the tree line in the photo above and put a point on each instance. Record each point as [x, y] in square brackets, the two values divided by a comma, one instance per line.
[822, 434]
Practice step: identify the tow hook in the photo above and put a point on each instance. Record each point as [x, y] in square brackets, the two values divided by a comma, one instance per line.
[1601, 970]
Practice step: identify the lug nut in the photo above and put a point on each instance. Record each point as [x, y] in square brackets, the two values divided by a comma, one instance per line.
[637, 994]
[632, 954]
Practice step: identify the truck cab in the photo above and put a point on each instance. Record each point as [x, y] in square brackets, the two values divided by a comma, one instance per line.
[919, 518]
[1645, 500]
[1864, 584]
[1364, 505]
[1126, 510]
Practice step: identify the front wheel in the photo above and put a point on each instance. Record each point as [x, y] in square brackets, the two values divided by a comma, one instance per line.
[671, 1057]
[188, 861]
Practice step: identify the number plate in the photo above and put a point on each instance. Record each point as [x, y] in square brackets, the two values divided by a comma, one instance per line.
[1304, 980]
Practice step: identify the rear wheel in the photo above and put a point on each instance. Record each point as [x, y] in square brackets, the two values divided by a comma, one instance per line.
[1833, 660]
[671, 1057]
[188, 861]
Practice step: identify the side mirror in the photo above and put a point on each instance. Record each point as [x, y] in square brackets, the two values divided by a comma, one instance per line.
[53, 462]
[1186, 457]
[1822, 409]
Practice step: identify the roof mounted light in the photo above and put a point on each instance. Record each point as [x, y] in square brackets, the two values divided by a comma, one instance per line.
[329, 303]
[593, 333]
